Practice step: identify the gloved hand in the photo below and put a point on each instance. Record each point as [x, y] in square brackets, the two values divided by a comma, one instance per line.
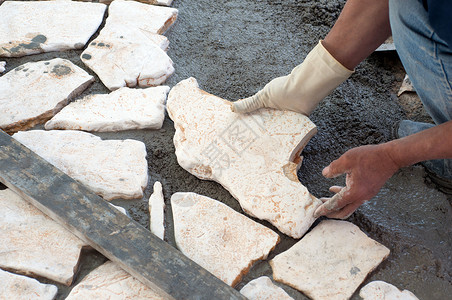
[301, 90]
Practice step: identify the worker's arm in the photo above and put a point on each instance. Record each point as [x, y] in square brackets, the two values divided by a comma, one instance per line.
[368, 167]
[361, 27]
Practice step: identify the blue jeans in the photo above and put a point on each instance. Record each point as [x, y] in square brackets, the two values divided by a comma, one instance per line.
[427, 60]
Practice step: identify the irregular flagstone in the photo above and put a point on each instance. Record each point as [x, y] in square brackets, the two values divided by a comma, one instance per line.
[151, 18]
[221, 240]
[330, 262]
[2, 66]
[157, 211]
[111, 168]
[406, 86]
[32, 243]
[380, 290]
[263, 288]
[109, 281]
[123, 109]
[13, 286]
[155, 2]
[254, 156]
[126, 56]
[32, 93]
[388, 45]
[27, 28]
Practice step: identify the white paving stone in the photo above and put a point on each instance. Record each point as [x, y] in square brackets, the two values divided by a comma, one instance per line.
[125, 56]
[380, 290]
[110, 168]
[109, 281]
[157, 211]
[29, 27]
[223, 241]
[254, 156]
[330, 262]
[263, 288]
[388, 45]
[13, 286]
[32, 243]
[2, 66]
[123, 109]
[32, 93]
[406, 86]
[155, 2]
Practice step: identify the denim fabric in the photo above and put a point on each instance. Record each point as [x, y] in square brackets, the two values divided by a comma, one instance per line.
[428, 62]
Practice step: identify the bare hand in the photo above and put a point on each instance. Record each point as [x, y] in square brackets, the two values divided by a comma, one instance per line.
[367, 169]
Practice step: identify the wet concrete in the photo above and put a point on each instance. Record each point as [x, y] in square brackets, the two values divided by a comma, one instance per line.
[233, 48]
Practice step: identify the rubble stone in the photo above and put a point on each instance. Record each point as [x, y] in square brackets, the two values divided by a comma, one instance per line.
[2, 66]
[32, 243]
[109, 281]
[111, 168]
[221, 240]
[330, 262]
[157, 211]
[13, 286]
[380, 290]
[263, 288]
[26, 28]
[33, 92]
[254, 156]
[123, 109]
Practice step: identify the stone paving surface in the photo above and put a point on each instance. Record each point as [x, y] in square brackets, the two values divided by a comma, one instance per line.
[157, 211]
[263, 288]
[380, 290]
[27, 28]
[14, 286]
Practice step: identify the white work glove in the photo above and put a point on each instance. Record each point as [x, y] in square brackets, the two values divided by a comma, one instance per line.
[303, 89]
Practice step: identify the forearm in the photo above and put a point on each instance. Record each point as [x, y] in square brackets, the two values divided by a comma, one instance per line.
[433, 143]
[362, 26]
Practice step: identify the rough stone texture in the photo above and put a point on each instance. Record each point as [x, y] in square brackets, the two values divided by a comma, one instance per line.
[32, 243]
[330, 262]
[263, 288]
[254, 156]
[110, 168]
[380, 290]
[157, 2]
[406, 86]
[157, 211]
[223, 241]
[123, 109]
[129, 50]
[109, 281]
[2, 66]
[388, 45]
[13, 286]
[27, 28]
[32, 93]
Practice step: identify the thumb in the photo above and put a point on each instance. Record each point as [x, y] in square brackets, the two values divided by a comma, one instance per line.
[334, 169]
[247, 105]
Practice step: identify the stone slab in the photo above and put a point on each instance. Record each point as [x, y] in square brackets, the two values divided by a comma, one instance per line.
[330, 262]
[380, 290]
[388, 45]
[157, 211]
[109, 281]
[263, 288]
[154, 2]
[254, 156]
[13, 286]
[34, 92]
[406, 86]
[34, 244]
[26, 28]
[223, 241]
[111, 168]
[2, 66]
[125, 56]
[123, 109]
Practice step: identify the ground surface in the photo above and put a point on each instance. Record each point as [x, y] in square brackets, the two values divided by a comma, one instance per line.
[233, 48]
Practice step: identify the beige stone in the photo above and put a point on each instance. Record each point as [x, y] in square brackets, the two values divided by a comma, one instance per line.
[110, 168]
[154, 2]
[13, 286]
[221, 240]
[388, 45]
[126, 56]
[380, 290]
[2, 66]
[330, 262]
[32, 93]
[109, 281]
[32, 243]
[406, 86]
[123, 109]
[150, 18]
[254, 156]
[157, 211]
[29, 27]
[263, 288]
